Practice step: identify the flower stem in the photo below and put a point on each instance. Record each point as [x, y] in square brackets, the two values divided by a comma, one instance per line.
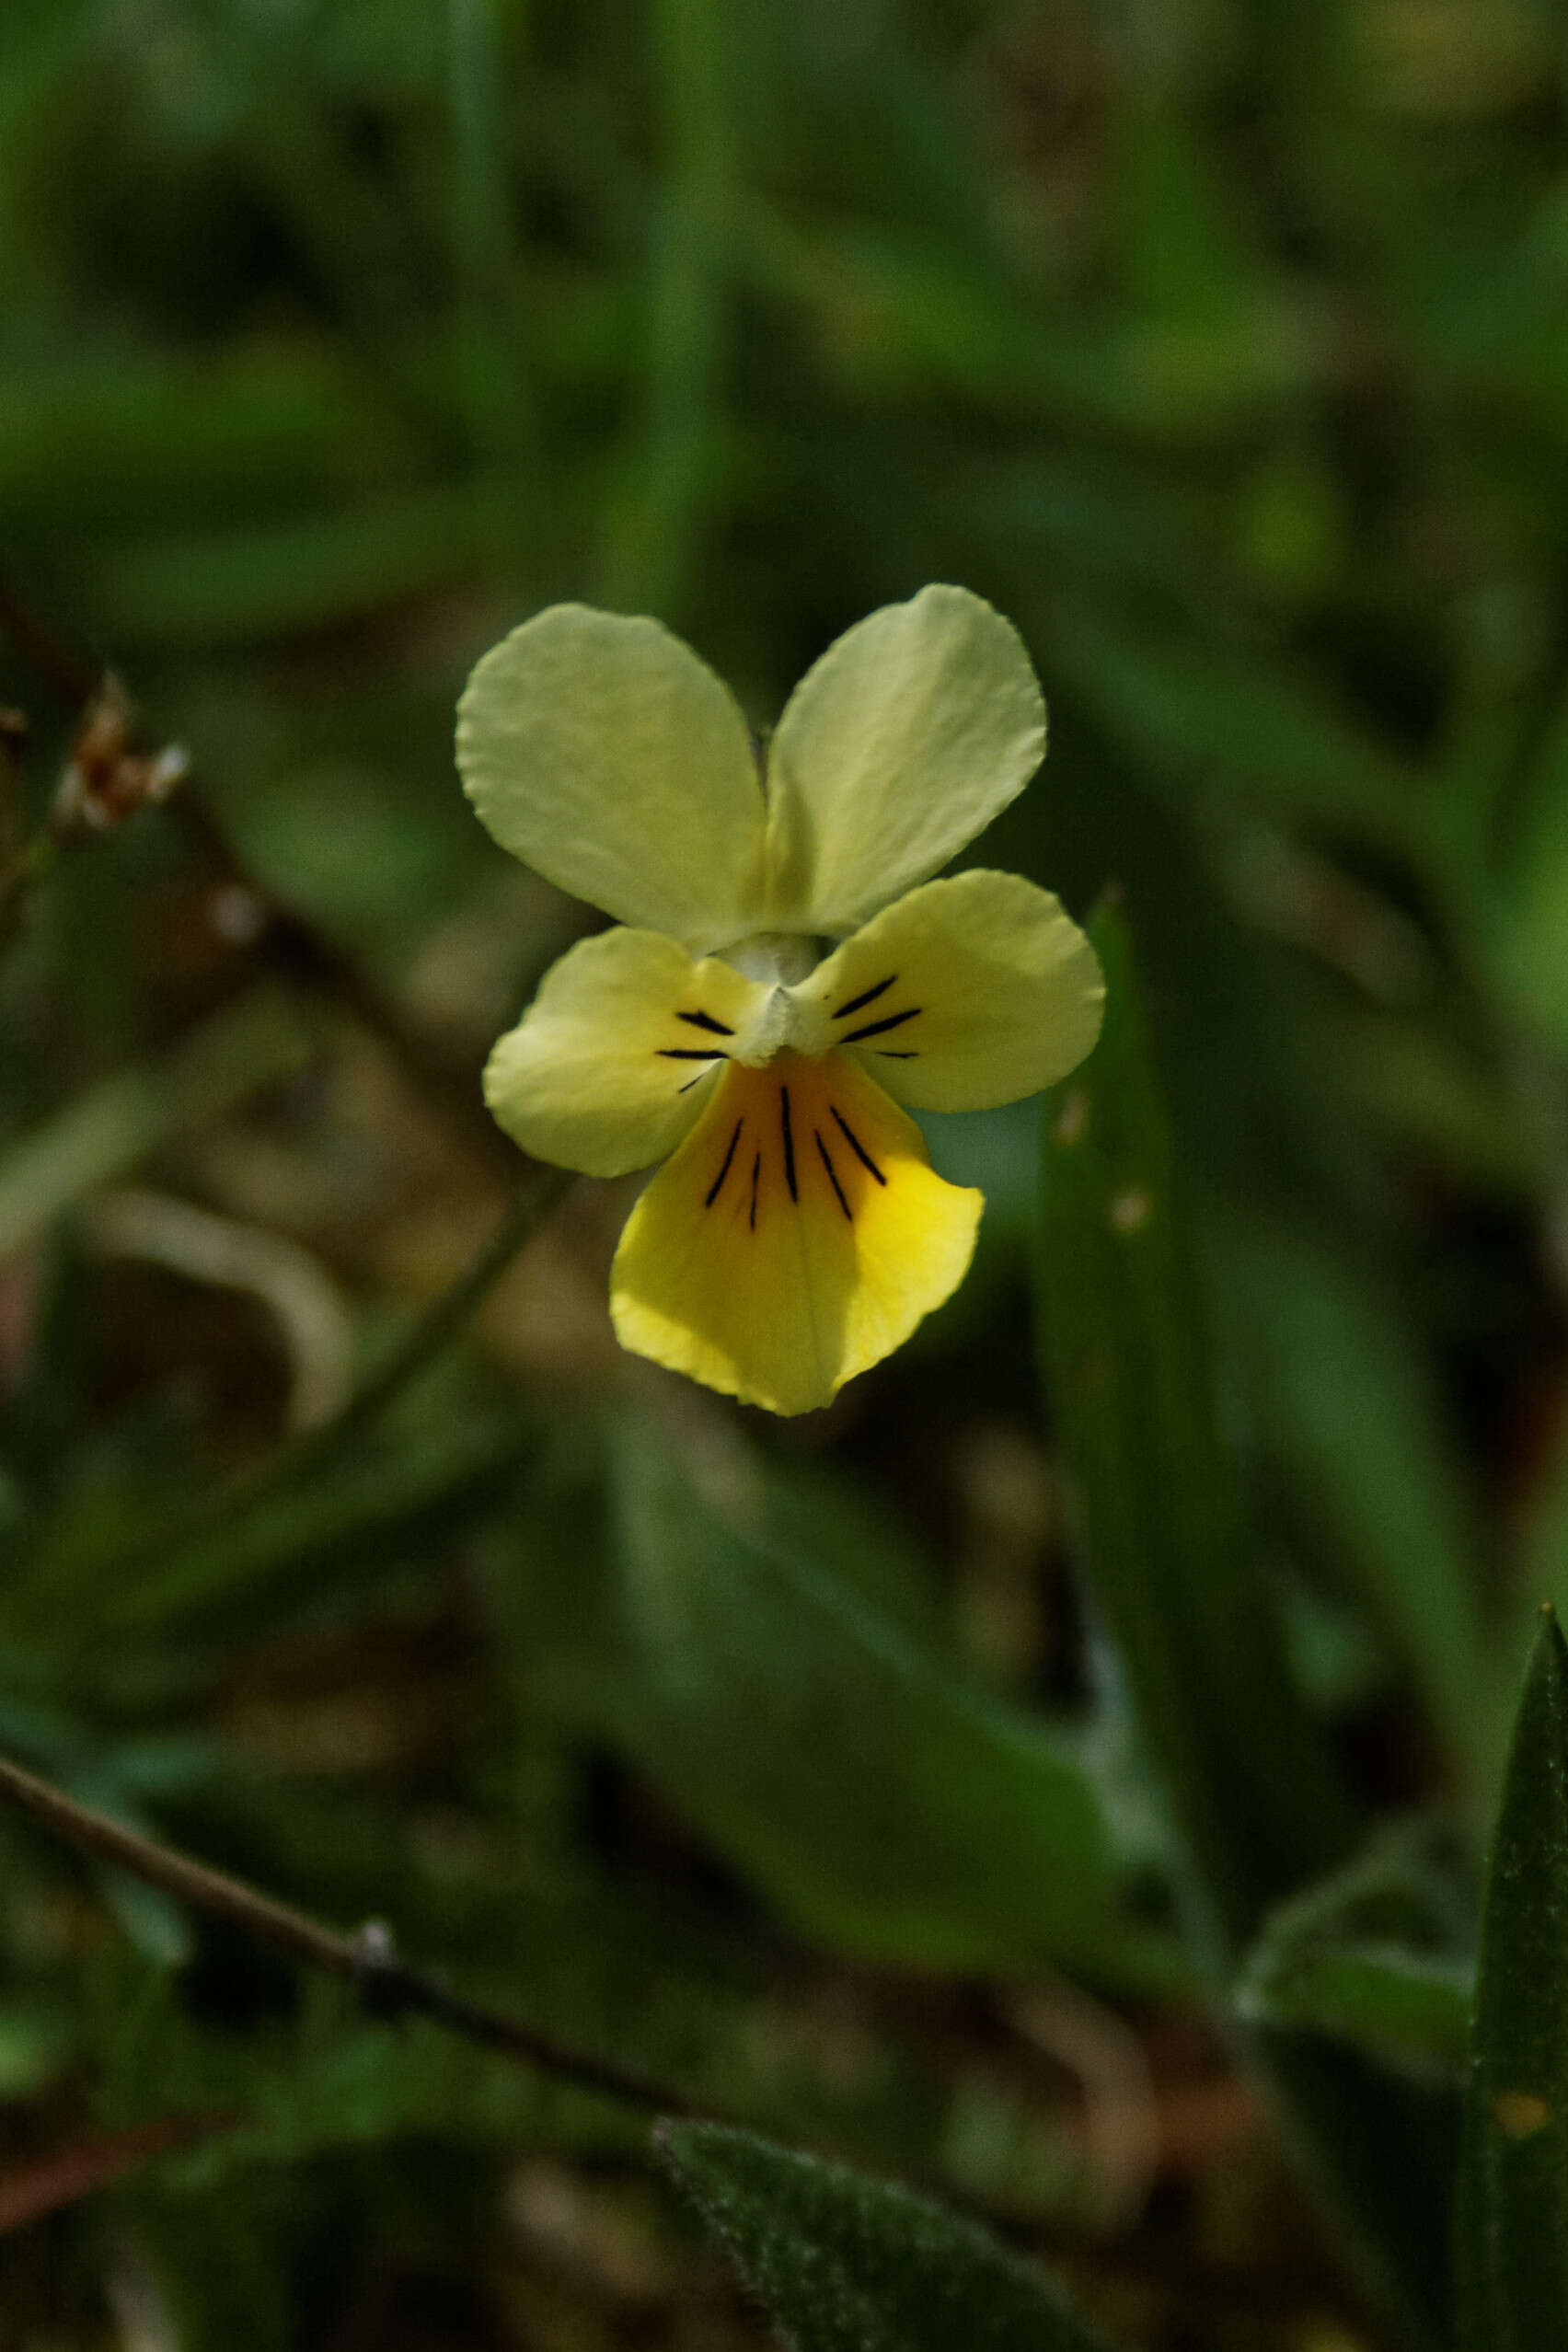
[153, 1576]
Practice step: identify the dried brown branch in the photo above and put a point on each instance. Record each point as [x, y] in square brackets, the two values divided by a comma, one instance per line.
[283, 938]
[386, 1986]
[66, 2175]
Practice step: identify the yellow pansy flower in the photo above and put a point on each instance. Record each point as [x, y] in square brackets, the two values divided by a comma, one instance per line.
[796, 1233]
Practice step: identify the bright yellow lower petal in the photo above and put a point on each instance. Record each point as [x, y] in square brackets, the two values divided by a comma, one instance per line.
[797, 1237]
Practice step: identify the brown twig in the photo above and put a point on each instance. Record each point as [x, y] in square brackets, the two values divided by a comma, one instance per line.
[283, 938]
[389, 1988]
[66, 2175]
[386, 1986]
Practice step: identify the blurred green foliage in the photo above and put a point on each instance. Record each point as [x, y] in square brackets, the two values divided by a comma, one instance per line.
[974, 1785]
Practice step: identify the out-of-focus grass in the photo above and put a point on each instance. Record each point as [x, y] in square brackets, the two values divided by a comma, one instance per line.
[1222, 347]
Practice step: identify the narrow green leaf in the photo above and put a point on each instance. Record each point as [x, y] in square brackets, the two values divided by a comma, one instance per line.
[1253, 1801]
[884, 1800]
[879, 1795]
[1512, 2239]
[1186, 250]
[1348, 1408]
[38, 1417]
[1528, 921]
[213, 588]
[1541, 1568]
[655, 534]
[96, 1565]
[1248, 1781]
[846, 2264]
[1375, 1955]
[929, 321]
[108, 1130]
[34, 2044]
[119, 439]
[1194, 715]
[1405, 2005]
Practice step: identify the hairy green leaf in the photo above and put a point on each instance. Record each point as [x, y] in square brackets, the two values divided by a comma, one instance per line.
[849, 2264]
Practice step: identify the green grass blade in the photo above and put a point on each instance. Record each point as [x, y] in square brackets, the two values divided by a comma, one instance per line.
[1253, 1801]
[1512, 2238]
[655, 534]
[1251, 1790]
[1355, 1425]
[108, 1130]
[1199, 718]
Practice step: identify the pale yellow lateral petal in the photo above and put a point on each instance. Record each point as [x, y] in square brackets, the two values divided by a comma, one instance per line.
[797, 1237]
[967, 993]
[905, 738]
[616, 1056]
[604, 754]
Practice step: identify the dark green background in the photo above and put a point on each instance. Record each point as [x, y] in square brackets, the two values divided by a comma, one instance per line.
[870, 1778]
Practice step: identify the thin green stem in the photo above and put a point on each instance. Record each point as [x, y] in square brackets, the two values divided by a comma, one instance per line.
[151, 1574]
[440, 1323]
[655, 548]
[104, 1131]
[500, 416]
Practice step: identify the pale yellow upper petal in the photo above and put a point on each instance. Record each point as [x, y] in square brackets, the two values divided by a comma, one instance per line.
[616, 1056]
[603, 753]
[905, 738]
[796, 1238]
[967, 993]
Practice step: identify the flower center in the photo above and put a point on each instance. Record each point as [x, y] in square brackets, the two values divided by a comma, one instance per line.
[784, 958]
[789, 1020]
